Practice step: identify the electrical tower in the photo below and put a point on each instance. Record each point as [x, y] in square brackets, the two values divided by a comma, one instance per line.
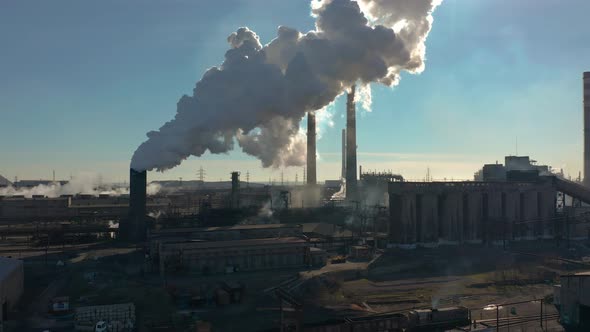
[247, 179]
[201, 173]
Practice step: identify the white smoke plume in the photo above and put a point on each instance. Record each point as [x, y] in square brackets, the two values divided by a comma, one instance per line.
[82, 183]
[260, 93]
[364, 96]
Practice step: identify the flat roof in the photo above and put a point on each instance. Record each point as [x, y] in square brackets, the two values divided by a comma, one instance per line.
[238, 243]
[224, 228]
[8, 265]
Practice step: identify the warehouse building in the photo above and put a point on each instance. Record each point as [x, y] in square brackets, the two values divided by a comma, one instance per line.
[11, 285]
[210, 257]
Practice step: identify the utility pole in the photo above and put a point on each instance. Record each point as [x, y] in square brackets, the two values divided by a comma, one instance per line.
[567, 229]
[247, 179]
[541, 316]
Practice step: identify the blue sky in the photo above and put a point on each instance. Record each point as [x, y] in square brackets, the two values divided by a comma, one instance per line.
[81, 82]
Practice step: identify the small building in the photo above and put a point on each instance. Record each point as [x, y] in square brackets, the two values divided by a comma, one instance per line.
[318, 257]
[360, 253]
[575, 300]
[11, 285]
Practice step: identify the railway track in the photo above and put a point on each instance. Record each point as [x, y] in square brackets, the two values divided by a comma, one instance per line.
[518, 320]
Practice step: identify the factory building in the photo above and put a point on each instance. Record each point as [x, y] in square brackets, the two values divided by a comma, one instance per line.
[233, 256]
[515, 168]
[470, 212]
[11, 285]
[233, 248]
[574, 300]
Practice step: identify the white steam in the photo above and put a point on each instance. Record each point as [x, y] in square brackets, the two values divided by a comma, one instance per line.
[260, 93]
[83, 183]
[364, 97]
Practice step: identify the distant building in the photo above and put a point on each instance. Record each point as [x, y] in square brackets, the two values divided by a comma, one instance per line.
[515, 168]
[35, 183]
[11, 285]
[4, 182]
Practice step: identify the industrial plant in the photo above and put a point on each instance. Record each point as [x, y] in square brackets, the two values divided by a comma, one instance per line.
[362, 247]
[208, 247]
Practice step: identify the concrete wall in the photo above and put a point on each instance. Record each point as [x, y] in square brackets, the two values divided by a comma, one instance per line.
[512, 212]
[470, 212]
[427, 218]
[472, 220]
[451, 217]
[403, 220]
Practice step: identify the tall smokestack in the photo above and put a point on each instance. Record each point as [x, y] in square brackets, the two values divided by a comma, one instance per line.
[136, 226]
[343, 176]
[586, 90]
[311, 149]
[351, 145]
[235, 190]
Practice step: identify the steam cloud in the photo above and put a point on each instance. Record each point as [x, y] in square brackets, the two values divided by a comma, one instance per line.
[82, 183]
[260, 93]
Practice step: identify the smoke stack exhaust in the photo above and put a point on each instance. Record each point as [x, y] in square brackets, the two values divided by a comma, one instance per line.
[136, 226]
[311, 149]
[343, 176]
[586, 89]
[351, 145]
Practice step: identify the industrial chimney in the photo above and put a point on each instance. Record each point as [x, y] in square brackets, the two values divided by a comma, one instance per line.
[586, 89]
[136, 226]
[351, 146]
[311, 149]
[343, 176]
[235, 190]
